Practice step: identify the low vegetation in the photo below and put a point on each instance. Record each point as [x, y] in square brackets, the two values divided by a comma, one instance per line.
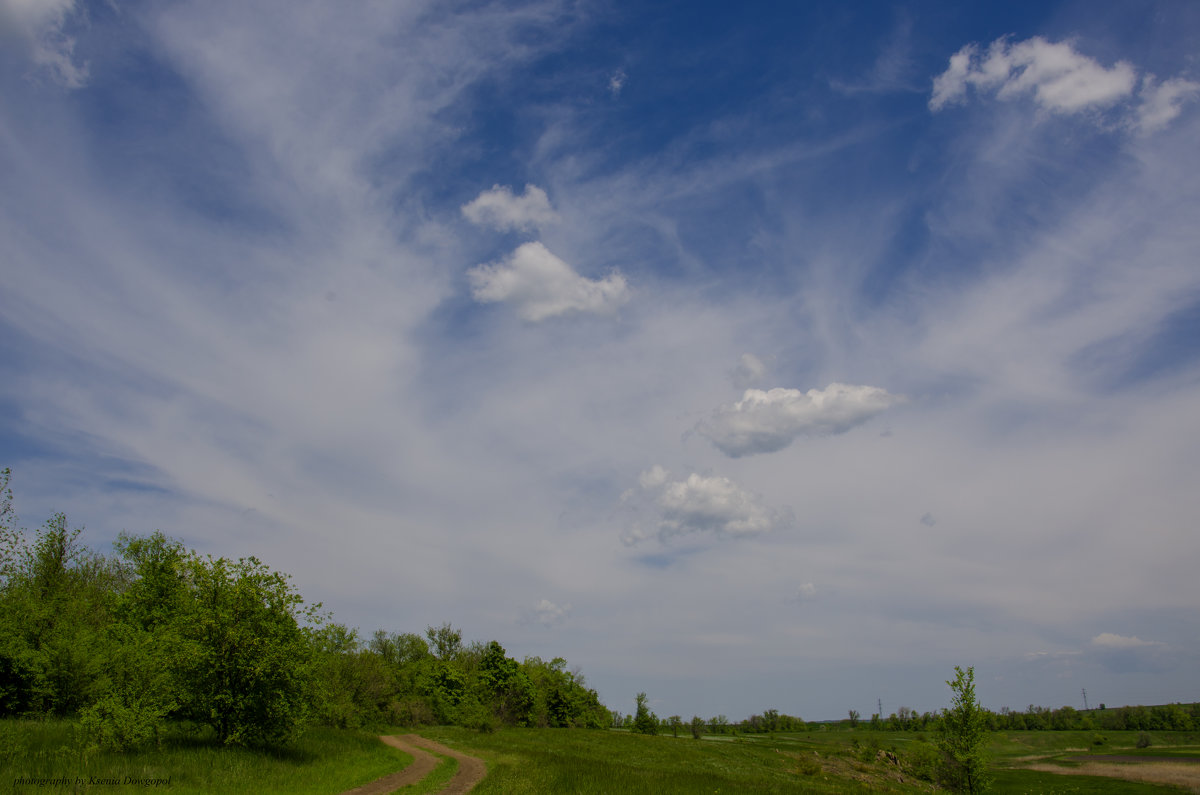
[155, 663]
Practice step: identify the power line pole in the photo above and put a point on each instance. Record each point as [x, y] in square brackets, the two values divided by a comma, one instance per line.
[880, 708]
[1085, 706]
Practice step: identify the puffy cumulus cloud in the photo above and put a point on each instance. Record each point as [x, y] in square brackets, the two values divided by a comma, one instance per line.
[697, 504]
[541, 286]
[1109, 640]
[1061, 79]
[547, 613]
[40, 23]
[500, 209]
[763, 422]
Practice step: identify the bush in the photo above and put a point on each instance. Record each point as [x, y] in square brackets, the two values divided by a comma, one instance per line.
[112, 725]
[924, 761]
[1143, 740]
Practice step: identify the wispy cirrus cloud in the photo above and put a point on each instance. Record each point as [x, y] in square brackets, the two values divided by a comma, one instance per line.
[40, 24]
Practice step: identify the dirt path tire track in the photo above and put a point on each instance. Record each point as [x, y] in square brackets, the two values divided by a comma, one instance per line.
[470, 770]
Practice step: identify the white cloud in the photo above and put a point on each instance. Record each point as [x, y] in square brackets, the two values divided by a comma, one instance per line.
[1109, 640]
[1162, 103]
[763, 422]
[1061, 79]
[548, 614]
[805, 592]
[699, 504]
[749, 372]
[617, 82]
[541, 286]
[40, 23]
[500, 209]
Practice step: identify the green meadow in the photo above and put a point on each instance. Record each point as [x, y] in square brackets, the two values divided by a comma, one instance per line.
[530, 760]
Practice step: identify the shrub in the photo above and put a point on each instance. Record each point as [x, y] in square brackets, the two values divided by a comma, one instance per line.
[1143, 740]
[112, 725]
[924, 761]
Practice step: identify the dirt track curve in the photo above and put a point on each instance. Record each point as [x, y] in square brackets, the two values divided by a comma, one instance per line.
[470, 770]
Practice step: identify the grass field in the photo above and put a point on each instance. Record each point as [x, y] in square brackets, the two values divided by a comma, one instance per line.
[322, 761]
[581, 761]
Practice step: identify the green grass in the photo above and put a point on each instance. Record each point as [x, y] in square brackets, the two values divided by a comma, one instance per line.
[568, 761]
[581, 761]
[440, 776]
[321, 761]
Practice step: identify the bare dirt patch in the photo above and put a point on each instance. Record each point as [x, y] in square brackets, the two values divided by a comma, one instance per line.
[1176, 774]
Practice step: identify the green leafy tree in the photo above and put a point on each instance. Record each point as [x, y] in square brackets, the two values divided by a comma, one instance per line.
[675, 721]
[854, 717]
[697, 726]
[963, 734]
[55, 602]
[245, 666]
[644, 721]
[445, 641]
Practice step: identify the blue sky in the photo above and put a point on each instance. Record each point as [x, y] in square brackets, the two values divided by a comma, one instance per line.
[781, 356]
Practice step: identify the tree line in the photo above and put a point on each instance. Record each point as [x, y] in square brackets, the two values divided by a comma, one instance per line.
[1163, 717]
[157, 633]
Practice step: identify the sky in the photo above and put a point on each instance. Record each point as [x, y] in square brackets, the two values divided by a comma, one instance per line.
[760, 356]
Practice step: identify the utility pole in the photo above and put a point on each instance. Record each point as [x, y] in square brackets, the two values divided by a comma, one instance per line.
[1085, 706]
[880, 701]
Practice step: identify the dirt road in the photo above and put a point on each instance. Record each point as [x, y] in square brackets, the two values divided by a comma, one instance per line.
[470, 770]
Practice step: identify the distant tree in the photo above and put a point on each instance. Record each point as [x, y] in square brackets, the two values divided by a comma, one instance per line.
[697, 725]
[644, 721]
[963, 735]
[854, 719]
[445, 641]
[675, 722]
[10, 537]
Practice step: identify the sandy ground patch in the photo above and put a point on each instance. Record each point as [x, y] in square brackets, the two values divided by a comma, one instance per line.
[1178, 774]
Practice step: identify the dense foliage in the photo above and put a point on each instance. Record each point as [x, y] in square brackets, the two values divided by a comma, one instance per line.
[158, 633]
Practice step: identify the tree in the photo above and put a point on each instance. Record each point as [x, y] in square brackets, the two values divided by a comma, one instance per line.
[963, 734]
[445, 641]
[246, 663]
[854, 716]
[644, 721]
[675, 722]
[697, 726]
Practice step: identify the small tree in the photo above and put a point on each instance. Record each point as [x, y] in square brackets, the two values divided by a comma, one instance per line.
[644, 721]
[675, 722]
[697, 726]
[962, 736]
[854, 719]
